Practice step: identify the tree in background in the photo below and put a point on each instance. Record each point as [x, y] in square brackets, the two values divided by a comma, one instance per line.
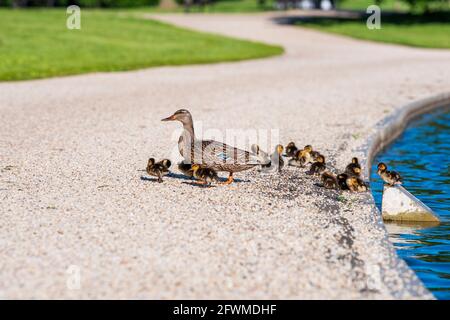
[81, 3]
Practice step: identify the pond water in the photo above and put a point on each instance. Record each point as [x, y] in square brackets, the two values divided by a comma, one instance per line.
[422, 156]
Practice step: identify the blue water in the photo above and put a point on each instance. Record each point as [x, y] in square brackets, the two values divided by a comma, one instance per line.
[422, 156]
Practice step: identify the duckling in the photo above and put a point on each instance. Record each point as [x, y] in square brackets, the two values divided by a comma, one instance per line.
[291, 149]
[329, 181]
[158, 169]
[356, 184]
[342, 181]
[314, 154]
[390, 177]
[186, 169]
[354, 168]
[263, 157]
[301, 157]
[296, 160]
[319, 166]
[204, 175]
[308, 154]
[276, 161]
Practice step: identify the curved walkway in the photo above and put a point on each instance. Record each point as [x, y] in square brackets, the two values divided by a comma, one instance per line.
[71, 194]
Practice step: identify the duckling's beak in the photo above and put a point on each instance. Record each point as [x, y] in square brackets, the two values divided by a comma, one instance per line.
[171, 118]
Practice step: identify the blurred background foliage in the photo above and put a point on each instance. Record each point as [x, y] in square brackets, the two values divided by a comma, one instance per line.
[81, 3]
[415, 6]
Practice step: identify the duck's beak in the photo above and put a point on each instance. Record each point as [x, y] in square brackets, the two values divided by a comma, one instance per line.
[171, 118]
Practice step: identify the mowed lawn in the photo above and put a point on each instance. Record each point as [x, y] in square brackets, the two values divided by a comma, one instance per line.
[398, 27]
[410, 30]
[37, 44]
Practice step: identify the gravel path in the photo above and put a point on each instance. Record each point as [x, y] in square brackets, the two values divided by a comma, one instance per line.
[72, 198]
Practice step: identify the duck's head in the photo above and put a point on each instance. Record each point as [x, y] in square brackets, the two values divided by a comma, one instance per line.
[308, 148]
[355, 160]
[382, 167]
[151, 162]
[290, 145]
[182, 115]
[320, 158]
[279, 148]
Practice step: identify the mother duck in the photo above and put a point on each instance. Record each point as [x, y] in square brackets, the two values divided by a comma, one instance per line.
[209, 153]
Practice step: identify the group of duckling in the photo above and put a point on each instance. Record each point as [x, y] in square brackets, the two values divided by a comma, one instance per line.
[349, 180]
[161, 168]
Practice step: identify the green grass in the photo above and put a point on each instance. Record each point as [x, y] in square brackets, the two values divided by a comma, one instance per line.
[428, 31]
[37, 44]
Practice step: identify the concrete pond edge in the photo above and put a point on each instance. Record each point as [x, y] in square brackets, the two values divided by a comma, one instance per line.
[385, 132]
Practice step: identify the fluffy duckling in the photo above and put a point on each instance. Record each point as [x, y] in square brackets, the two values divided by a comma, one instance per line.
[301, 157]
[204, 175]
[276, 161]
[186, 169]
[263, 157]
[297, 160]
[314, 155]
[291, 149]
[356, 184]
[158, 169]
[342, 181]
[329, 181]
[390, 177]
[354, 168]
[307, 154]
[319, 166]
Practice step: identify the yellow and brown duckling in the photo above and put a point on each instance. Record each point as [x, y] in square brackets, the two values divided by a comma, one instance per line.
[356, 184]
[301, 157]
[319, 166]
[315, 155]
[186, 169]
[329, 181]
[390, 177]
[342, 181]
[296, 160]
[354, 168]
[307, 154]
[204, 175]
[291, 149]
[158, 169]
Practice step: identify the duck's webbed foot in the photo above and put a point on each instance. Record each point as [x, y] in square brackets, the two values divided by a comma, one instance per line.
[201, 182]
[229, 180]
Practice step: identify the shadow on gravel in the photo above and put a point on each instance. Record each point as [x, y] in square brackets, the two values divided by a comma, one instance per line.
[187, 178]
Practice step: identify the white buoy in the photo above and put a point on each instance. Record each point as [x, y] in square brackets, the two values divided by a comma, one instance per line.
[400, 205]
